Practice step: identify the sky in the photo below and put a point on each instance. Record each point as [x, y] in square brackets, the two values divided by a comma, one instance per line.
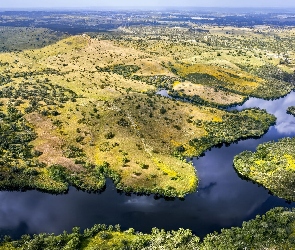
[15, 4]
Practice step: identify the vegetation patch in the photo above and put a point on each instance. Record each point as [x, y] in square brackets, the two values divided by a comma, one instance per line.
[160, 81]
[274, 230]
[120, 69]
[291, 110]
[22, 38]
[234, 126]
[272, 165]
[277, 82]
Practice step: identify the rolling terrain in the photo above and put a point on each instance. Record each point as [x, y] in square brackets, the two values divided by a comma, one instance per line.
[75, 110]
[87, 109]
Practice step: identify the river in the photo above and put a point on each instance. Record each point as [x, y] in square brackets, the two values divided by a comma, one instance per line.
[222, 200]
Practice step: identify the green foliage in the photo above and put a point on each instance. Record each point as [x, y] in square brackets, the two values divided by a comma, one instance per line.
[205, 79]
[274, 230]
[4, 79]
[163, 110]
[291, 110]
[123, 122]
[180, 239]
[58, 173]
[15, 135]
[236, 125]
[120, 69]
[160, 81]
[278, 82]
[74, 152]
[25, 38]
[37, 94]
[272, 165]
[109, 135]
[91, 180]
[69, 241]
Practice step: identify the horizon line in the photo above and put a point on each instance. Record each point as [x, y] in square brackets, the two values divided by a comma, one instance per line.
[162, 6]
[145, 7]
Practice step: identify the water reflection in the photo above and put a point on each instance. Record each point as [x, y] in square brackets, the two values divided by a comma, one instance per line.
[285, 123]
[163, 92]
[222, 199]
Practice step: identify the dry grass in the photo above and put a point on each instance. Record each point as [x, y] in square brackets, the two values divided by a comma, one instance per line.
[50, 143]
[208, 93]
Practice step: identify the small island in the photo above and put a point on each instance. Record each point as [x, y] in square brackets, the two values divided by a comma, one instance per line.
[272, 165]
[291, 110]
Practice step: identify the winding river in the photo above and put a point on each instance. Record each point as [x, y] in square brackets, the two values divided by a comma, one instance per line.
[222, 200]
